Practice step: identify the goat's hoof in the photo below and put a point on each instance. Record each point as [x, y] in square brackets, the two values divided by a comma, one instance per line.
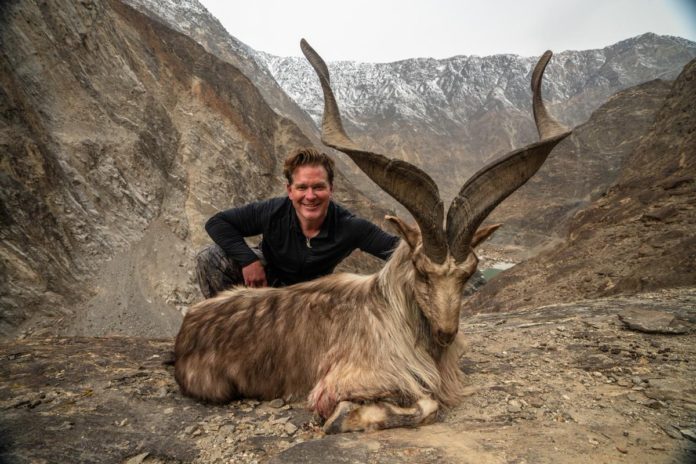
[335, 422]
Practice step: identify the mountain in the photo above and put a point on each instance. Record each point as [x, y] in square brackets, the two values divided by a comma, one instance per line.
[119, 137]
[121, 134]
[191, 18]
[579, 170]
[636, 237]
[450, 116]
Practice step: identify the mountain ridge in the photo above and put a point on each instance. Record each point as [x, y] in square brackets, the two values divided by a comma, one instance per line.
[448, 116]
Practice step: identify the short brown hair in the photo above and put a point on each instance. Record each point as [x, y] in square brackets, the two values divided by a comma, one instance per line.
[308, 157]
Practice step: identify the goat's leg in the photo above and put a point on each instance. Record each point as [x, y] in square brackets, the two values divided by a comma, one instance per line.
[353, 417]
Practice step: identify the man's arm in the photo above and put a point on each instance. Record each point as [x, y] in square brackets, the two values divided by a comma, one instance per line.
[374, 240]
[228, 229]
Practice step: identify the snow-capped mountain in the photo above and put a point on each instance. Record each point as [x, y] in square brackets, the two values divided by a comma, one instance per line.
[448, 116]
[461, 87]
[452, 115]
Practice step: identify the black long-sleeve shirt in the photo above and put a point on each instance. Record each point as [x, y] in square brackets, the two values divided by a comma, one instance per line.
[290, 257]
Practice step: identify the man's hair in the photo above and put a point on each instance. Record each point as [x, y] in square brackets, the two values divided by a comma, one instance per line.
[308, 157]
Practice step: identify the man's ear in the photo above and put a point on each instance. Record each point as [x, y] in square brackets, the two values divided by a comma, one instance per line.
[408, 233]
[482, 234]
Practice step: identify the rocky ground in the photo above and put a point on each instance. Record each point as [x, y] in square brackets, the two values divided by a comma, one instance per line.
[606, 380]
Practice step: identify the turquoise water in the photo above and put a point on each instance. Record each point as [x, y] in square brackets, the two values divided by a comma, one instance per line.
[491, 272]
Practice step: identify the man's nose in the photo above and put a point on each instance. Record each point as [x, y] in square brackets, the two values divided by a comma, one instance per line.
[310, 193]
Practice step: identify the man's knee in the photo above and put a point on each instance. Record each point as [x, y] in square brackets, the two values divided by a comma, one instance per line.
[215, 271]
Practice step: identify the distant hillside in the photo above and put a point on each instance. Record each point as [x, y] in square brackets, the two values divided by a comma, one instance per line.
[639, 236]
[578, 171]
[450, 116]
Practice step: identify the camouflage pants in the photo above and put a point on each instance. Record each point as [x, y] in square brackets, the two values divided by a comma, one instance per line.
[216, 271]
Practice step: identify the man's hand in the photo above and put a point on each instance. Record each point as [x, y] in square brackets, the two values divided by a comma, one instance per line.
[254, 275]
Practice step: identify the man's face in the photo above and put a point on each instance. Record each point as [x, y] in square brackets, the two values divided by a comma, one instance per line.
[310, 193]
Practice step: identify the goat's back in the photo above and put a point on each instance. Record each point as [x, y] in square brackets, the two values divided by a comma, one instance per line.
[263, 343]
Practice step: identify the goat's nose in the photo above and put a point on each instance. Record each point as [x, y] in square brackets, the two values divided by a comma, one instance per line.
[445, 338]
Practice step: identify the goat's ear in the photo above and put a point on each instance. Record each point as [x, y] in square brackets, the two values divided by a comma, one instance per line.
[482, 234]
[408, 233]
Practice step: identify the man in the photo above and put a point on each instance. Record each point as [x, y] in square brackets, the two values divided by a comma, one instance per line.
[305, 235]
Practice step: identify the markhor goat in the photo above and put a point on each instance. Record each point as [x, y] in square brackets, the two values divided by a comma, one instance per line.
[371, 352]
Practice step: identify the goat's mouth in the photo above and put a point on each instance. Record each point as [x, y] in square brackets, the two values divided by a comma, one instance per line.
[444, 339]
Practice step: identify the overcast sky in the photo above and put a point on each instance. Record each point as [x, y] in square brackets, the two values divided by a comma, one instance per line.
[390, 30]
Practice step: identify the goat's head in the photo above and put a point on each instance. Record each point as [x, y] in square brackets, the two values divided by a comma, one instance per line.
[443, 257]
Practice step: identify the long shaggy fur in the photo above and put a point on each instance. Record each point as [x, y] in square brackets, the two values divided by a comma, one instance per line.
[342, 337]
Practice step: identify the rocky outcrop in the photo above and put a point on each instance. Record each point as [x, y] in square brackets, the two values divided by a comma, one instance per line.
[119, 131]
[637, 237]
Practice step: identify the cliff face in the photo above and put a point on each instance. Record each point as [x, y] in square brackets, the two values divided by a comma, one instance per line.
[636, 237]
[117, 132]
[192, 18]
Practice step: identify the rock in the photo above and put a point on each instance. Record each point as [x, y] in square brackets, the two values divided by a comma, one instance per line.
[622, 382]
[514, 406]
[654, 404]
[290, 428]
[689, 434]
[672, 432]
[536, 402]
[659, 214]
[651, 321]
[664, 390]
[137, 459]
[34, 403]
[66, 425]
[228, 429]
[277, 403]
